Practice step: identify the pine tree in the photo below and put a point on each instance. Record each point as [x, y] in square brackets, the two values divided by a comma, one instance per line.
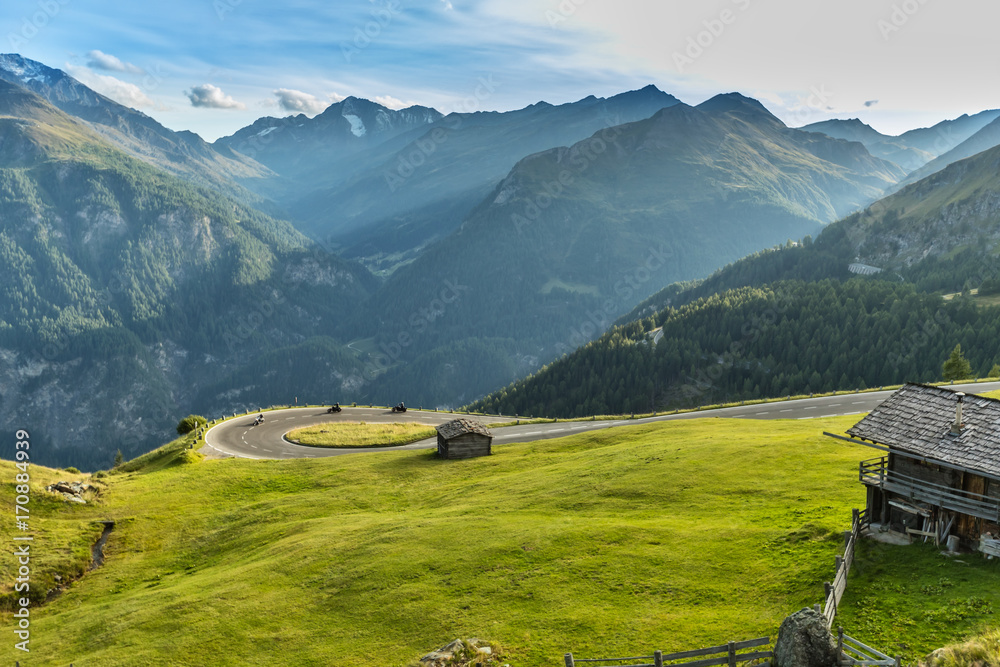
[119, 459]
[957, 367]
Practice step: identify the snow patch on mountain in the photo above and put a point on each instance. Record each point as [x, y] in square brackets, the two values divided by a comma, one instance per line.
[24, 69]
[357, 126]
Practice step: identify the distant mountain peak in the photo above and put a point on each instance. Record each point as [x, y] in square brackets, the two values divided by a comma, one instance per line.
[737, 102]
[25, 69]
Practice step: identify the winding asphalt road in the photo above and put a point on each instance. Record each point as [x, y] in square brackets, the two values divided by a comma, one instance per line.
[240, 438]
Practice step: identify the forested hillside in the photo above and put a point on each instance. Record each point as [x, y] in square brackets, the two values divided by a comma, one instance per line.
[791, 337]
[122, 289]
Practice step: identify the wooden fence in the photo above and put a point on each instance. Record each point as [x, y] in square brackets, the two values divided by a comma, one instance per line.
[852, 652]
[835, 591]
[724, 654]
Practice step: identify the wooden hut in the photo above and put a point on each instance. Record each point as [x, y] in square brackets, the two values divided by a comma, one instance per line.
[464, 439]
[939, 474]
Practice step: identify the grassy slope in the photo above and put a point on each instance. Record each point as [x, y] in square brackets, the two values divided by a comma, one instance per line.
[360, 434]
[621, 540]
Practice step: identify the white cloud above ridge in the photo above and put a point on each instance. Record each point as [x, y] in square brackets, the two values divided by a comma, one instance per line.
[105, 61]
[120, 91]
[390, 102]
[296, 101]
[207, 96]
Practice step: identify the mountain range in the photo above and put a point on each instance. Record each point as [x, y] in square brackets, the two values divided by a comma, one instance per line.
[376, 255]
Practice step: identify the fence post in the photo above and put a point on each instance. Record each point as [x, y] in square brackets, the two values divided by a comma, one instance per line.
[840, 643]
[899, 662]
[732, 654]
[569, 660]
[658, 658]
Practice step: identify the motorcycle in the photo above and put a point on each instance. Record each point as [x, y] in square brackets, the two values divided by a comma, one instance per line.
[259, 420]
[399, 408]
[333, 408]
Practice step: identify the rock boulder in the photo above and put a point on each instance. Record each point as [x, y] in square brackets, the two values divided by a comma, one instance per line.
[805, 641]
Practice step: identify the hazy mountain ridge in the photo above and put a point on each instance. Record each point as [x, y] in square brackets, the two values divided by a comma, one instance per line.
[419, 186]
[184, 154]
[573, 237]
[913, 149]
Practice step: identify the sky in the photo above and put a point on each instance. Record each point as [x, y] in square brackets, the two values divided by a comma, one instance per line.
[214, 66]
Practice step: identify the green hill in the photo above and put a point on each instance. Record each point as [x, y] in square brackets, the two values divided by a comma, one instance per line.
[614, 542]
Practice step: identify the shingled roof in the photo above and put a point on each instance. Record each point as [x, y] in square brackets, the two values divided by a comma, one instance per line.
[918, 419]
[457, 427]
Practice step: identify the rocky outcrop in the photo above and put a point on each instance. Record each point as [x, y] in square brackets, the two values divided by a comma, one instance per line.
[462, 653]
[72, 491]
[804, 640]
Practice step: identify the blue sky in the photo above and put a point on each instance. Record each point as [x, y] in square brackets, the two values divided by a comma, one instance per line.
[213, 66]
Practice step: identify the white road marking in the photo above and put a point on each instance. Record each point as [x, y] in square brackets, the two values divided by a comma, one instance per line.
[812, 408]
[833, 405]
[785, 410]
[763, 413]
[254, 446]
[858, 402]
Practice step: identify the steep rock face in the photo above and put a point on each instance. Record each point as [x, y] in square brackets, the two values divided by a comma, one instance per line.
[952, 210]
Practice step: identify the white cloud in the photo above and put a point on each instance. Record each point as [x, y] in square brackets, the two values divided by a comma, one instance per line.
[106, 61]
[447, 4]
[120, 91]
[390, 102]
[212, 97]
[297, 101]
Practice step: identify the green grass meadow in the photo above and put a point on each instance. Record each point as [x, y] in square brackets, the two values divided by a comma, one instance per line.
[360, 434]
[618, 542]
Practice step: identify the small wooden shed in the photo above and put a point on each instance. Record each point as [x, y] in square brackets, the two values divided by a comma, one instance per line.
[464, 439]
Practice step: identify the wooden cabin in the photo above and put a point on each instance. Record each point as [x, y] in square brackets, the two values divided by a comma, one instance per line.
[939, 473]
[464, 439]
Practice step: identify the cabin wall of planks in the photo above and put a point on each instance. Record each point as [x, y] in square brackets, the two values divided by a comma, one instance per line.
[465, 446]
[925, 472]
